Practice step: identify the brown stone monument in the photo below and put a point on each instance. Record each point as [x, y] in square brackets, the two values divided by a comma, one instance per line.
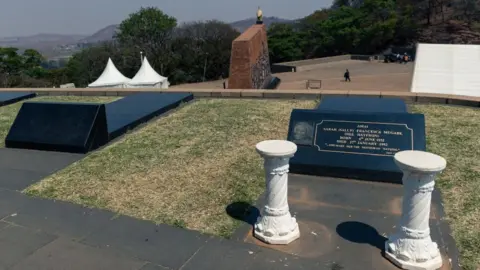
[249, 62]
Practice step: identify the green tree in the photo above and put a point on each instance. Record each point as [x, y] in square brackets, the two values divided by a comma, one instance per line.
[469, 10]
[150, 31]
[32, 59]
[284, 43]
[11, 65]
[202, 51]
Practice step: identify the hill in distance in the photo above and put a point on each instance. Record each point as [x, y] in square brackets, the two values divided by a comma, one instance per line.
[54, 45]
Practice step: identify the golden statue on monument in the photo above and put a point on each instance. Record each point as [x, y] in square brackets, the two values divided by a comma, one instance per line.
[259, 16]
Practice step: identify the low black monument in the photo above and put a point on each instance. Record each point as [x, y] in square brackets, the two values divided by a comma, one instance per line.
[83, 127]
[354, 138]
[62, 127]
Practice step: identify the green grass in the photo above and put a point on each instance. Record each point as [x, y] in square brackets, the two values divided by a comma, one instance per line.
[8, 113]
[453, 132]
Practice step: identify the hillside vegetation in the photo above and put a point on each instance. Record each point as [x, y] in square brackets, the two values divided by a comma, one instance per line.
[200, 51]
[371, 26]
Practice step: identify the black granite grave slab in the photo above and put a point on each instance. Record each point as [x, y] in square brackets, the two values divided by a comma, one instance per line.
[159, 244]
[7, 98]
[362, 104]
[359, 145]
[66, 254]
[64, 127]
[21, 168]
[16, 243]
[133, 110]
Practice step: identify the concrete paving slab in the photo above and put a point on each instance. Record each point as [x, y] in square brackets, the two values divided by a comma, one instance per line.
[225, 254]
[60, 218]
[66, 254]
[16, 243]
[21, 167]
[17, 180]
[34, 160]
[4, 225]
[159, 244]
[11, 202]
[150, 266]
[348, 194]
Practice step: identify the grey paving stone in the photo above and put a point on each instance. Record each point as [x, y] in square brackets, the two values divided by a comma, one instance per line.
[231, 255]
[17, 180]
[150, 266]
[34, 160]
[21, 168]
[60, 218]
[16, 243]
[64, 254]
[11, 202]
[4, 225]
[334, 191]
[159, 244]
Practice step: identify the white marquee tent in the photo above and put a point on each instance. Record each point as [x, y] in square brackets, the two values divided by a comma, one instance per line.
[110, 77]
[148, 77]
[452, 69]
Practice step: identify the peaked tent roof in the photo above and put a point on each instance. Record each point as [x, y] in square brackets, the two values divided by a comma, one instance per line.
[110, 76]
[146, 75]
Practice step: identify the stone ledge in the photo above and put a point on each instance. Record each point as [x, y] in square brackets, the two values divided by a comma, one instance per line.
[252, 93]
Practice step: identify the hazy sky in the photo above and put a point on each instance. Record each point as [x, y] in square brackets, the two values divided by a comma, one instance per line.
[27, 17]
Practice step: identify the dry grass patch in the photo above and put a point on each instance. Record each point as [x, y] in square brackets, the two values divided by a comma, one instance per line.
[453, 132]
[183, 169]
[8, 113]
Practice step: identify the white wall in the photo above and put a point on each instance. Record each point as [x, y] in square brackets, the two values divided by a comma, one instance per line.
[447, 69]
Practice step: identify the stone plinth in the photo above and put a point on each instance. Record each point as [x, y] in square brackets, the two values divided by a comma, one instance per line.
[412, 247]
[249, 61]
[276, 225]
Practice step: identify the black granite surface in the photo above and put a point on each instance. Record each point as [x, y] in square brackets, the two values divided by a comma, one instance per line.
[63, 127]
[362, 104]
[356, 145]
[133, 110]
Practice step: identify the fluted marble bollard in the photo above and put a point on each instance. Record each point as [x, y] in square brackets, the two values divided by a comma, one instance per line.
[412, 247]
[276, 225]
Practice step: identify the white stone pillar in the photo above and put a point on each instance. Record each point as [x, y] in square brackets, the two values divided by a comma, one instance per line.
[276, 225]
[411, 247]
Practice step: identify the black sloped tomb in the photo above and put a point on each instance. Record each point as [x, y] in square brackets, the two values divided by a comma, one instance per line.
[62, 127]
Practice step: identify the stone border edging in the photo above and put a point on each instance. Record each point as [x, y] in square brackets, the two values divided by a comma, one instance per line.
[252, 93]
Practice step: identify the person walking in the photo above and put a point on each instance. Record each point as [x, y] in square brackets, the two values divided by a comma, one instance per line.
[347, 76]
[405, 58]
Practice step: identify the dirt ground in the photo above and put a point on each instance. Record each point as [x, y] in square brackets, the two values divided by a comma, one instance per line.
[365, 76]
